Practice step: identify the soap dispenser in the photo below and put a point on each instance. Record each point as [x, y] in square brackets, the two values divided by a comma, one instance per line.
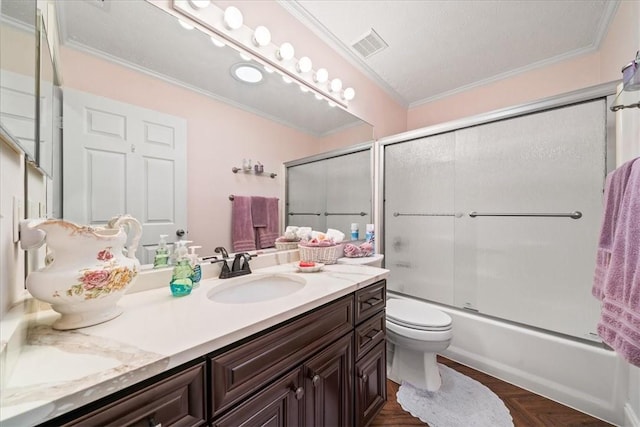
[181, 283]
[195, 264]
[161, 259]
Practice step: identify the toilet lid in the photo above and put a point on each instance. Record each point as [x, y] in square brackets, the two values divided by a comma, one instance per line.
[417, 315]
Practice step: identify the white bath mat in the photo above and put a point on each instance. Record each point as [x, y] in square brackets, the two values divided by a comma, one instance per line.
[460, 402]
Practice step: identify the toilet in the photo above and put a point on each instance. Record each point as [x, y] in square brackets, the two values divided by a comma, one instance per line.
[417, 332]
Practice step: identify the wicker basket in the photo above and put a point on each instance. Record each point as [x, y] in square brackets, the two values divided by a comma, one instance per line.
[323, 254]
[285, 246]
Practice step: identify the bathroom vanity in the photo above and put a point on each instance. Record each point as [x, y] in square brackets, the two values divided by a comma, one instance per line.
[315, 357]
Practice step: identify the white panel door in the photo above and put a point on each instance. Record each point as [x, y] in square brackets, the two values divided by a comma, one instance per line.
[122, 159]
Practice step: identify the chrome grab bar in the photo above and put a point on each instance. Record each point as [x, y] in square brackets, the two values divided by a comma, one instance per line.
[427, 214]
[336, 213]
[573, 215]
[304, 213]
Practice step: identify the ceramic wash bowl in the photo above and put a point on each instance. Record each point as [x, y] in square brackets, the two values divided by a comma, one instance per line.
[256, 288]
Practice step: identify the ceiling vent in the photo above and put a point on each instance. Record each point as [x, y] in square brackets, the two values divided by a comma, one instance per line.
[370, 44]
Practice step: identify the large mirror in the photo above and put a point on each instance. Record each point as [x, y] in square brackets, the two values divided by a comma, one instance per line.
[154, 122]
[18, 74]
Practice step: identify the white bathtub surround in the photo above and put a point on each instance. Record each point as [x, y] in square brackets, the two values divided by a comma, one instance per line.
[155, 333]
[461, 401]
[580, 375]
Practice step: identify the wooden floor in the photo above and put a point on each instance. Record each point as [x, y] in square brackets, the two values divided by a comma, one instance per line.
[527, 409]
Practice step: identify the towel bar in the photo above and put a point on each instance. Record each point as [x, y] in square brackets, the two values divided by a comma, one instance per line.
[426, 214]
[304, 213]
[337, 213]
[573, 215]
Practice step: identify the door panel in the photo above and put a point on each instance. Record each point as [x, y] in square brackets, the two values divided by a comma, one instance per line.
[120, 158]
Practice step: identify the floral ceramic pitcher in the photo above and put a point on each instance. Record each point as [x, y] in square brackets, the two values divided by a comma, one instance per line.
[88, 269]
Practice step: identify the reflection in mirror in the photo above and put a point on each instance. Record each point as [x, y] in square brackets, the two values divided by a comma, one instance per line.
[154, 122]
[332, 190]
[18, 73]
[45, 108]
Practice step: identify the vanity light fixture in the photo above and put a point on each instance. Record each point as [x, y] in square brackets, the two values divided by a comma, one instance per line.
[304, 65]
[233, 18]
[336, 85]
[185, 25]
[261, 36]
[247, 73]
[285, 52]
[216, 41]
[321, 76]
[200, 4]
[348, 94]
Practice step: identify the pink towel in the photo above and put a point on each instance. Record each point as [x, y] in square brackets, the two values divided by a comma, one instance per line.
[259, 211]
[242, 232]
[266, 236]
[619, 325]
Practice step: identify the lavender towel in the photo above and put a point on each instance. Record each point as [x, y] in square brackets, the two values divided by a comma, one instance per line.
[259, 211]
[266, 236]
[242, 233]
[614, 189]
[619, 325]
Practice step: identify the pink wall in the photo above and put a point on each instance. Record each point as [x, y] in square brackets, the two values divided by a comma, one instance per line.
[219, 137]
[617, 49]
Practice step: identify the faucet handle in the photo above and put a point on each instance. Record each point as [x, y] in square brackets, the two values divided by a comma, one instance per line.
[222, 251]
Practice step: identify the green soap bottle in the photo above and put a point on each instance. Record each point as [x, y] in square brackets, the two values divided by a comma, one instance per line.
[161, 258]
[181, 283]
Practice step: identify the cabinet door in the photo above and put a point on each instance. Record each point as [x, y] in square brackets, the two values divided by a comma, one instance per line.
[279, 405]
[329, 386]
[371, 384]
[177, 400]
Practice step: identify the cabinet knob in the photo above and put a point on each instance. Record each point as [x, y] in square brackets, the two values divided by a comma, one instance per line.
[298, 392]
[364, 377]
[315, 380]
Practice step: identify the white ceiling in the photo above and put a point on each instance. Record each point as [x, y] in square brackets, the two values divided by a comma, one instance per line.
[440, 47]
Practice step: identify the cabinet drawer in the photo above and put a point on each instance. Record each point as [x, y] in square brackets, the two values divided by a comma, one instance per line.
[370, 300]
[179, 399]
[369, 333]
[238, 372]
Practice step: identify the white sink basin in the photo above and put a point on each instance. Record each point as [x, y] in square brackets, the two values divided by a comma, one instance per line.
[256, 288]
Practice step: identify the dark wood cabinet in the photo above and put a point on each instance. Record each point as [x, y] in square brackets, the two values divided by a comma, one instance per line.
[370, 353]
[323, 368]
[279, 405]
[371, 385]
[329, 385]
[176, 400]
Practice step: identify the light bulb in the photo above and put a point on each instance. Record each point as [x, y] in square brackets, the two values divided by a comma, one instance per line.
[269, 69]
[216, 41]
[285, 52]
[185, 25]
[233, 18]
[304, 89]
[318, 96]
[321, 76]
[349, 94]
[286, 79]
[304, 65]
[331, 104]
[245, 56]
[261, 36]
[199, 4]
[336, 85]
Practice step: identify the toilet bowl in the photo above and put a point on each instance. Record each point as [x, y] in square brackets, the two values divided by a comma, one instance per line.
[417, 333]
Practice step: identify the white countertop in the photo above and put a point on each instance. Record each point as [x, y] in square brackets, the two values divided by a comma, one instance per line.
[49, 372]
